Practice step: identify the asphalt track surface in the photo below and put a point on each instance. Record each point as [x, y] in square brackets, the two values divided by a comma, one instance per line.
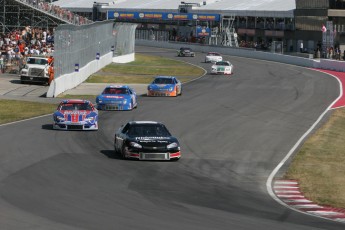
[233, 132]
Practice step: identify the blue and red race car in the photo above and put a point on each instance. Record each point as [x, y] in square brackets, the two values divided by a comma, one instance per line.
[121, 97]
[165, 86]
[75, 115]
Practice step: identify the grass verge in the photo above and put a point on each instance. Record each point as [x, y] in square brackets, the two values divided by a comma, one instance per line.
[12, 110]
[319, 166]
[91, 98]
[144, 69]
[130, 79]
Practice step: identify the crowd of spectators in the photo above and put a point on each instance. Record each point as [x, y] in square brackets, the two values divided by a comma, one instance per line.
[16, 45]
[261, 45]
[58, 11]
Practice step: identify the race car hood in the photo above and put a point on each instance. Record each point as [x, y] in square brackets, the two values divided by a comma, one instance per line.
[154, 141]
[75, 116]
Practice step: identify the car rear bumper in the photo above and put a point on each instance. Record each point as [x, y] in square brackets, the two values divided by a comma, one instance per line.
[154, 156]
[113, 107]
[152, 93]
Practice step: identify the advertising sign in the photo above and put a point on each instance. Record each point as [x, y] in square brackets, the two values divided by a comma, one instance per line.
[203, 31]
[161, 16]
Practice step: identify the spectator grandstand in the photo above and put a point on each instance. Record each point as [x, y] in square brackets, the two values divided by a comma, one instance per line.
[27, 28]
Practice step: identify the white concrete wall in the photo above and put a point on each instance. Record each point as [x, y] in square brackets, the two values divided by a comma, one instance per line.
[70, 81]
[124, 58]
[330, 64]
[252, 53]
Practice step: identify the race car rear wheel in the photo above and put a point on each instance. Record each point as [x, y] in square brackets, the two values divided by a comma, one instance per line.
[123, 154]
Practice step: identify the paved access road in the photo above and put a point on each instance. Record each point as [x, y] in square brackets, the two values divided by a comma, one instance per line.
[233, 132]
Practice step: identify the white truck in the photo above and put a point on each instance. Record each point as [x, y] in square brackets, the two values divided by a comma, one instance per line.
[35, 70]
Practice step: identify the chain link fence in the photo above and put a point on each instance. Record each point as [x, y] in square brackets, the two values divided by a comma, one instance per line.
[124, 44]
[153, 35]
[76, 46]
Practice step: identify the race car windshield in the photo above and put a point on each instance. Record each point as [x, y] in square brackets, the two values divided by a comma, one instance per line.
[213, 54]
[115, 91]
[222, 63]
[150, 130]
[163, 81]
[76, 106]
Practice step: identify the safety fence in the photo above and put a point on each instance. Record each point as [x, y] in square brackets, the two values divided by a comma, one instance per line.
[81, 51]
[76, 46]
[153, 35]
[124, 38]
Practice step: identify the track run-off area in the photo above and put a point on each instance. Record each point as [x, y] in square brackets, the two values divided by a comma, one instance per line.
[233, 130]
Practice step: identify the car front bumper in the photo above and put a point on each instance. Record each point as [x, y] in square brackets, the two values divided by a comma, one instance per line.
[75, 126]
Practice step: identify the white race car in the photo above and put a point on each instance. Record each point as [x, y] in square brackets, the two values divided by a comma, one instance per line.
[213, 57]
[222, 67]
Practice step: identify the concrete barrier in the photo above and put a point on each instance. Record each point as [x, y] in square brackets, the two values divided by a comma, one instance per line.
[124, 58]
[251, 53]
[71, 80]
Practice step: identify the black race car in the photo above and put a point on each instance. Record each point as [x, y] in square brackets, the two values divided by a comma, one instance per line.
[185, 52]
[146, 140]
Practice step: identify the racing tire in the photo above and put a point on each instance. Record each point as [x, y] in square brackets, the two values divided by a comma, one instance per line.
[175, 159]
[123, 156]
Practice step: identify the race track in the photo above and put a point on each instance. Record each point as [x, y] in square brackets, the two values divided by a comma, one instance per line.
[233, 132]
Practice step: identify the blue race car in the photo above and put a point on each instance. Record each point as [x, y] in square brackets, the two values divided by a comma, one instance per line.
[75, 115]
[120, 97]
[165, 86]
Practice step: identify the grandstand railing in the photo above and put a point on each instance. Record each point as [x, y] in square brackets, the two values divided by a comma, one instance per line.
[56, 11]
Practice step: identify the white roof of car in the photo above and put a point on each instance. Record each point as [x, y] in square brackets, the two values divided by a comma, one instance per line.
[239, 8]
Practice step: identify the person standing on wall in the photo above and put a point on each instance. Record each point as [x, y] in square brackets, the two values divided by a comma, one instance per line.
[50, 69]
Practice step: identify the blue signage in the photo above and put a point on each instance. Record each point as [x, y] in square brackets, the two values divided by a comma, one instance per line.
[203, 31]
[161, 16]
[76, 67]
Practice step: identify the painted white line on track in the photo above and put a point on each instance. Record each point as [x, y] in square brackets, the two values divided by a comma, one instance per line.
[285, 183]
[306, 206]
[288, 191]
[270, 178]
[288, 196]
[298, 200]
[28, 119]
[326, 213]
[340, 219]
[284, 187]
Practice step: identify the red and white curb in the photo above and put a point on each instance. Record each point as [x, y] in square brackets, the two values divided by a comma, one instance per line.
[288, 192]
